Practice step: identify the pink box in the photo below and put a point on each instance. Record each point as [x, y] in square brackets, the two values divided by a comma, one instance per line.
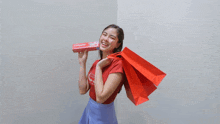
[89, 46]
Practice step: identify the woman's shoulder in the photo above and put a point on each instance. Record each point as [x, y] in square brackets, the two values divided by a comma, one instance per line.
[117, 62]
[94, 64]
[116, 66]
[96, 61]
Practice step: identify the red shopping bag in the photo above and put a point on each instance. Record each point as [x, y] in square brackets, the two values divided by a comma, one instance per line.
[142, 76]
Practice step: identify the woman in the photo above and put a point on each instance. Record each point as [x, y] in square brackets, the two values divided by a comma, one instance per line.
[104, 79]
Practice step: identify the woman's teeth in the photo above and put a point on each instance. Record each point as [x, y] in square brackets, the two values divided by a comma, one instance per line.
[105, 45]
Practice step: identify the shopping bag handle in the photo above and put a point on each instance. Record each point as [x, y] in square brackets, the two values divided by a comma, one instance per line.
[115, 56]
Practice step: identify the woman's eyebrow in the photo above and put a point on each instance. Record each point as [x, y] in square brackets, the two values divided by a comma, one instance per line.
[113, 36]
[110, 35]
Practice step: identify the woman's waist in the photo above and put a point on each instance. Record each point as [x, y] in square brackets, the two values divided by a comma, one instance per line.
[94, 103]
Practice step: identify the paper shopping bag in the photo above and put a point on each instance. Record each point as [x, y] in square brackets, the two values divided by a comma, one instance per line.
[137, 87]
[151, 72]
[141, 76]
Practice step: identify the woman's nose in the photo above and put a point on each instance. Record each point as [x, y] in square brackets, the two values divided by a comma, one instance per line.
[106, 38]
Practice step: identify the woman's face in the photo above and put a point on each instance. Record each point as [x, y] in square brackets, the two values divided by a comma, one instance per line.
[109, 40]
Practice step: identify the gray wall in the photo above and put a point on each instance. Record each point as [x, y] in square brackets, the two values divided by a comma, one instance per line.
[182, 38]
[39, 72]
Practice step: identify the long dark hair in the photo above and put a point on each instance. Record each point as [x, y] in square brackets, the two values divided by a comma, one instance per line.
[120, 35]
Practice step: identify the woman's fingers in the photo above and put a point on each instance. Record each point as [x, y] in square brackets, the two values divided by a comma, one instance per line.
[86, 53]
[82, 56]
[79, 54]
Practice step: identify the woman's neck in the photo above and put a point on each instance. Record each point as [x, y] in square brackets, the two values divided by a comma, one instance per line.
[105, 54]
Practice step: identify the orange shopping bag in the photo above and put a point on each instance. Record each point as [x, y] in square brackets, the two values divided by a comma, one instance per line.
[142, 76]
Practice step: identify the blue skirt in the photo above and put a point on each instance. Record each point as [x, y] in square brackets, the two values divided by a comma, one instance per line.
[97, 113]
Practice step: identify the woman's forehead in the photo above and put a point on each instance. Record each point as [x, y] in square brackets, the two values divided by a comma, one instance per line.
[111, 31]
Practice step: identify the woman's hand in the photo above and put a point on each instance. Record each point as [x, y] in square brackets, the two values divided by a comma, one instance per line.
[104, 62]
[82, 57]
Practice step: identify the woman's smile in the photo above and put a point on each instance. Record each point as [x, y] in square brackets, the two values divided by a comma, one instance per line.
[104, 45]
[108, 40]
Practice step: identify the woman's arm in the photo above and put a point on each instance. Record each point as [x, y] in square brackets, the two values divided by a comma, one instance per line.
[103, 92]
[83, 83]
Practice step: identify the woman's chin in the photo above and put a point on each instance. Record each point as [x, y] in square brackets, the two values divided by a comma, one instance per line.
[105, 50]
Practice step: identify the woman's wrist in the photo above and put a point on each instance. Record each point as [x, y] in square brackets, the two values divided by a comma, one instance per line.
[82, 64]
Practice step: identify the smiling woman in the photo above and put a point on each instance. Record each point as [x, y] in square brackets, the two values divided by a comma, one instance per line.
[104, 79]
[115, 33]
